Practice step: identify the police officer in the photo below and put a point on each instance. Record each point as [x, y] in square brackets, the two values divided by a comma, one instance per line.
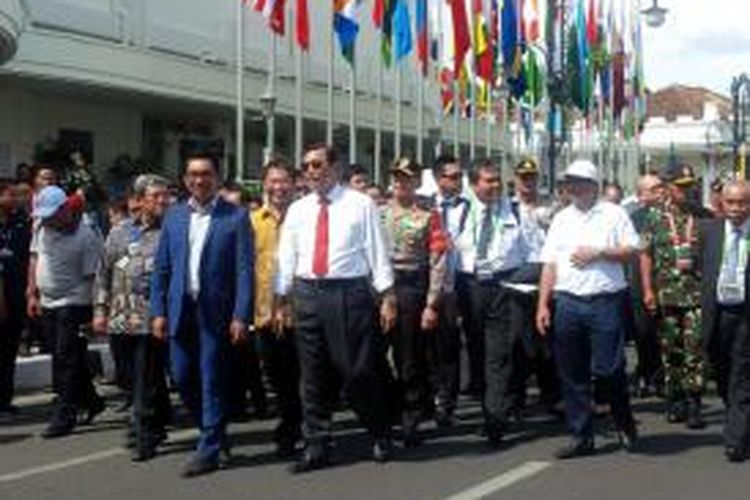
[417, 247]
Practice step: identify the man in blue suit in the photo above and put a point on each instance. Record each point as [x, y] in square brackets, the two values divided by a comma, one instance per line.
[201, 300]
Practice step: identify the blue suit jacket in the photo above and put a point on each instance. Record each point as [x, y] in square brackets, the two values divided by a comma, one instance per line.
[226, 269]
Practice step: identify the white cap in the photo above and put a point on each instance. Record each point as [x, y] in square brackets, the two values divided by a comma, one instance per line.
[582, 169]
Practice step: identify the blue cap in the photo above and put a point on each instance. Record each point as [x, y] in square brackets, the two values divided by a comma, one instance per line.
[48, 201]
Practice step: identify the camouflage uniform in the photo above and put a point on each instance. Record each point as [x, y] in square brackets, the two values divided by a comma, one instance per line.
[678, 301]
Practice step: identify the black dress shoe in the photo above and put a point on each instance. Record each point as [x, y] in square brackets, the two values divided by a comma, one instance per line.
[199, 467]
[629, 438]
[734, 454]
[382, 450]
[576, 448]
[57, 431]
[96, 407]
[694, 417]
[142, 453]
[313, 458]
[443, 418]
[494, 434]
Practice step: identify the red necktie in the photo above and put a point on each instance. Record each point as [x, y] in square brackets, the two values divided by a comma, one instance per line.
[320, 257]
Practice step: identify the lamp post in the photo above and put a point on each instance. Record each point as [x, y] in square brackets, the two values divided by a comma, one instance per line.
[655, 15]
[740, 103]
[268, 106]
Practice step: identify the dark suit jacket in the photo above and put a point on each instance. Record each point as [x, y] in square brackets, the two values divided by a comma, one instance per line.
[226, 270]
[711, 249]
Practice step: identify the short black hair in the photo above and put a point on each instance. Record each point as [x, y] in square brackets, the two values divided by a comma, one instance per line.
[204, 156]
[441, 161]
[277, 163]
[480, 165]
[330, 152]
[356, 169]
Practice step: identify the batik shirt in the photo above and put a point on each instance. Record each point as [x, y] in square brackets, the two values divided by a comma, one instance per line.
[140, 266]
[110, 289]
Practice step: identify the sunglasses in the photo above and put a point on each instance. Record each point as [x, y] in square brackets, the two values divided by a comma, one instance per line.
[314, 164]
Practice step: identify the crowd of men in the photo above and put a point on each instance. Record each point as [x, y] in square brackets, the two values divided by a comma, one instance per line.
[338, 294]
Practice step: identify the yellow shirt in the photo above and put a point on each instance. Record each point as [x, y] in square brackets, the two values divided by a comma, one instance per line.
[266, 226]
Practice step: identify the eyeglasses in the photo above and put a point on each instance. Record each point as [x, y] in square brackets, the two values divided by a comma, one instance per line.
[314, 164]
[452, 177]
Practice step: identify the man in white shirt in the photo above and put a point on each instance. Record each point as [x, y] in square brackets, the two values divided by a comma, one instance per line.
[583, 256]
[490, 250]
[446, 341]
[332, 254]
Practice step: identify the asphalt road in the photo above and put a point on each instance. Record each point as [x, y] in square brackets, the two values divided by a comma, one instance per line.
[671, 463]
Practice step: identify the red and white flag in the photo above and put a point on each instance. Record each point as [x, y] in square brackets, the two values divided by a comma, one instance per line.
[273, 11]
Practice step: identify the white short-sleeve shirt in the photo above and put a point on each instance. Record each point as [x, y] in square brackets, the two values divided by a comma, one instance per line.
[605, 225]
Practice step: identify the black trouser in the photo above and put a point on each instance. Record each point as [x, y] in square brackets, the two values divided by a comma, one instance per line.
[245, 375]
[152, 410]
[466, 288]
[71, 375]
[10, 336]
[492, 313]
[122, 348]
[335, 332]
[445, 355]
[532, 354]
[410, 345]
[734, 374]
[282, 365]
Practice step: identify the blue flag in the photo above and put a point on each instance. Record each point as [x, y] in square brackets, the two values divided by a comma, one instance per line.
[402, 41]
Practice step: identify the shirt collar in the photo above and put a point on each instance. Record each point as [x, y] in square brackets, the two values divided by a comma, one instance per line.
[744, 228]
[267, 213]
[202, 209]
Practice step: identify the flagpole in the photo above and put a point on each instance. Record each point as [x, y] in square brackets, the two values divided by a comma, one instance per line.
[271, 95]
[420, 118]
[329, 104]
[488, 116]
[456, 111]
[379, 125]
[353, 108]
[240, 95]
[299, 106]
[399, 90]
[473, 122]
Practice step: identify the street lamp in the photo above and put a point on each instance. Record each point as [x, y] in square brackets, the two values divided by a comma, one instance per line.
[740, 110]
[655, 15]
[268, 107]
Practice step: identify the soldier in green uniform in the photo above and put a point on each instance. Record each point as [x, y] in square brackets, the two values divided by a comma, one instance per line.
[671, 292]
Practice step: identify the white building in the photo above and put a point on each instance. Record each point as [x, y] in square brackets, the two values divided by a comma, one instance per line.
[153, 78]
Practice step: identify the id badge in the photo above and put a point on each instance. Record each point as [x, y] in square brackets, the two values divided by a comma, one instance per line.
[123, 263]
[732, 293]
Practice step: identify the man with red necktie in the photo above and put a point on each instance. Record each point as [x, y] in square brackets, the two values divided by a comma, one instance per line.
[332, 254]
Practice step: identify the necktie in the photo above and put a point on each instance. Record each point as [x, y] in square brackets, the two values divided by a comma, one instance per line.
[320, 257]
[733, 256]
[445, 206]
[485, 234]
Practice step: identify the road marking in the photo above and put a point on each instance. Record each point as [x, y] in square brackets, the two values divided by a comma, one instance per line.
[504, 480]
[85, 459]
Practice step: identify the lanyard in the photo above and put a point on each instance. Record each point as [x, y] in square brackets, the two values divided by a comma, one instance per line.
[744, 250]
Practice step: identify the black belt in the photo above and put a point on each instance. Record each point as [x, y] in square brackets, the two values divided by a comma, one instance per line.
[494, 278]
[734, 309]
[418, 276]
[590, 298]
[332, 283]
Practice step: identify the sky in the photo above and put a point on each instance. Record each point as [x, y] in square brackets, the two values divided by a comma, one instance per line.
[702, 43]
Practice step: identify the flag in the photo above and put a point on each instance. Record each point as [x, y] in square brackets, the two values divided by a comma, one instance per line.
[273, 11]
[423, 41]
[345, 25]
[382, 17]
[302, 21]
[531, 21]
[512, 46]
[482, 46]
[401, 30]
[592, 30]
[378, 13]
[579, 61]
[445, 78]
[461, 34]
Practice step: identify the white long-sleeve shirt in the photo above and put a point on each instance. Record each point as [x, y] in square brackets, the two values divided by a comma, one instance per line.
[356, 245]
